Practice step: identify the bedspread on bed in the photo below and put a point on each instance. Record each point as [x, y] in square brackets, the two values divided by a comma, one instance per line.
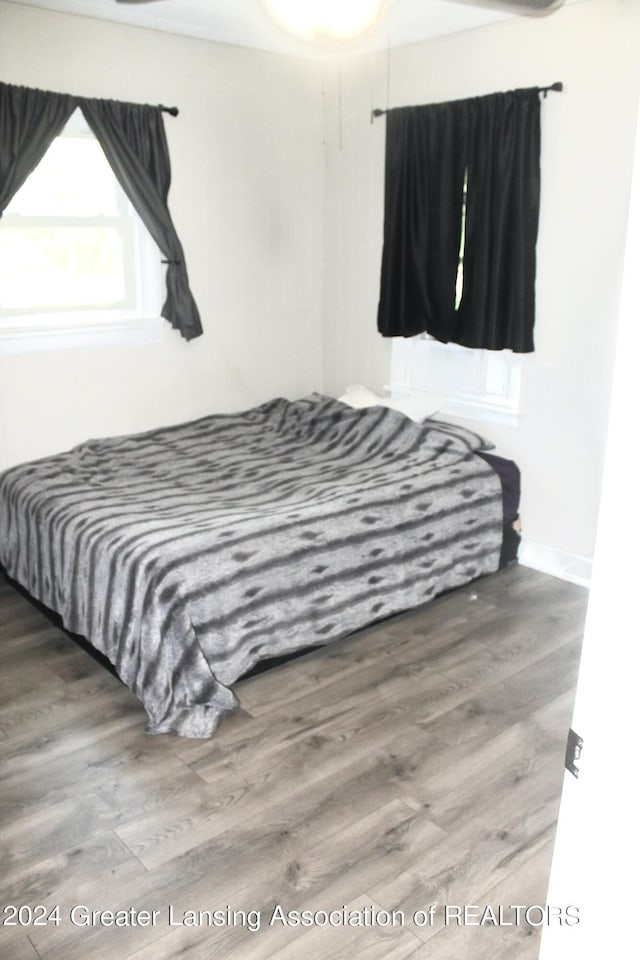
[187, 554]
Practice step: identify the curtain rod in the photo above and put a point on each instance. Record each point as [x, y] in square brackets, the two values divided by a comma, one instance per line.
[557, 87]
[172, 110]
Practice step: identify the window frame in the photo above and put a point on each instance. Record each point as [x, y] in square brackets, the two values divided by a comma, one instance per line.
[136, 319]
[495, 378]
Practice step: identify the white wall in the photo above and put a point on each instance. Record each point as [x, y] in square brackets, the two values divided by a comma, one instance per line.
[588, 136]
[287, 308]
[598, 840]
[246, 198]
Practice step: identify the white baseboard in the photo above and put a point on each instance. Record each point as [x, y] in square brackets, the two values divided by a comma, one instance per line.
[557, 563]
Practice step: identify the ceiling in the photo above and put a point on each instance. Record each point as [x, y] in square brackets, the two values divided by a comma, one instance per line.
[245, 23]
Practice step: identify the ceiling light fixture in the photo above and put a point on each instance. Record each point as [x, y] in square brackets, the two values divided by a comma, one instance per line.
[325, 19]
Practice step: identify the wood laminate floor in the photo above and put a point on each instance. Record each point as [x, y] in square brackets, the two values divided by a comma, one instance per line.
[417, 763]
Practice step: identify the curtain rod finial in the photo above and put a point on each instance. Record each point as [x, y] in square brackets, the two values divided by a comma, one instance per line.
[558, 87]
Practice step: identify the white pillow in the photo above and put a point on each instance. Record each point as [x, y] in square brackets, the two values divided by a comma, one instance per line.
[359, 396]
[417, 408]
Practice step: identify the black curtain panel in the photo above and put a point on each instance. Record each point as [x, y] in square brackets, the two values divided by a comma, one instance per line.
[135, 144]
[30, 120]
[134, 141]
[462, 191]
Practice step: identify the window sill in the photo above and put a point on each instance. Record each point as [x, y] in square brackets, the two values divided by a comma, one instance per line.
[479, 410]
[36, 334]
[480, 385]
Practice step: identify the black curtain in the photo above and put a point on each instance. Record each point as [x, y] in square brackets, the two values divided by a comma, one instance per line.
[30, 120]
[493, 144]
[134, 141]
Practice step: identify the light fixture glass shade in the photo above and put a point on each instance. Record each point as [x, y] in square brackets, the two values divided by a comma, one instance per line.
[333, 19]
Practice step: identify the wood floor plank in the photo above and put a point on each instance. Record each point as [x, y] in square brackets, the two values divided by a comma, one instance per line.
[327, 942]
[324, 879]
[259, 694]
[66, 703]
[324, 803]
[99, 719]
[16, 685]
[17, 946]
[30, 632]
[418, 761]
[376, 942]
[464, 869]
[287, 866]
[398, 685]
[455, 793]
[34, 880]
[505, 921]
[38, 835]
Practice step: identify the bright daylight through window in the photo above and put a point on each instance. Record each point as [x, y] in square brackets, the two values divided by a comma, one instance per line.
[77, 266]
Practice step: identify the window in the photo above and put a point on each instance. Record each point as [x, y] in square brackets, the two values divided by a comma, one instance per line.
[473, 384]
[77, 266]
[463, 239]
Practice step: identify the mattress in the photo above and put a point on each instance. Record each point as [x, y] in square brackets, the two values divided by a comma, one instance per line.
[187, 555]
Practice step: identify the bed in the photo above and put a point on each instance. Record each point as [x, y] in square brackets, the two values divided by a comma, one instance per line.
[189, 554]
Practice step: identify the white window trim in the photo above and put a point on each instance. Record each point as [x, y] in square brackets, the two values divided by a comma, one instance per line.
[498, 400]
[81, 329]
[77, 334]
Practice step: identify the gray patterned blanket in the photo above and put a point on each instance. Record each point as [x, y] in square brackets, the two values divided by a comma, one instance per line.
[189, 553]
